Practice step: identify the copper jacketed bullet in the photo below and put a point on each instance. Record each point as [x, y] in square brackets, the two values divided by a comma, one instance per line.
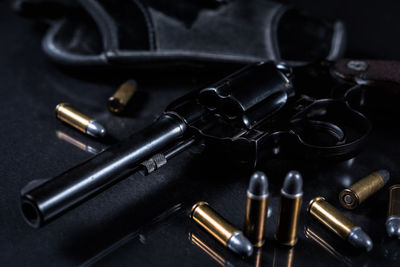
[339, 224]
[219, 228]
[289, 210]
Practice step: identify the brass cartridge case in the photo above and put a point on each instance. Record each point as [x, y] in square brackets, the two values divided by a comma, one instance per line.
[256, 208]
[219, 228]
[352, 197]
[289, 212]
[119, 100]
[393, 218]
[339, 224]
[256, 214]
[212, 222]
[72, 117]
[394, 201]
[331, 217]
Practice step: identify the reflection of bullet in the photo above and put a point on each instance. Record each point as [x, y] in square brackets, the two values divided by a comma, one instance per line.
[65, 137]
[339, 224]
[291, 198]
[309, 233]
[283, 257]
[207, 249]
[119, 100]
[257, 258]
[218, 227]
[79, 121]
[256, 208]
[393, 219]
[352, 197]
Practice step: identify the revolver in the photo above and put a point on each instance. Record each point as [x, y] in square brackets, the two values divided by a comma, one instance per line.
[261, 111]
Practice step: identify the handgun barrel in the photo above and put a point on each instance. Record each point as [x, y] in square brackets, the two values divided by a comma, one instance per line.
[51, 198]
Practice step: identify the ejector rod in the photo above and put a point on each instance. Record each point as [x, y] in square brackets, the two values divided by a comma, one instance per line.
[47, 200]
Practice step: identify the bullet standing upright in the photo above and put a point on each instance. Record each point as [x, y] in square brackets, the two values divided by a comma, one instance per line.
[289, 210]
[393, 219]
[256, 208]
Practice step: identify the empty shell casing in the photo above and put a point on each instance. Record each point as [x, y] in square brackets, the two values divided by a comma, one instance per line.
[256, 209]
[352, 197]
[393, 218]
[289, 210]
[79, 121]
[219, 228]
[119, 100]
[339, 224]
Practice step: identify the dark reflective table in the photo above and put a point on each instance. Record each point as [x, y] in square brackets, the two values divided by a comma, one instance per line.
[115, 228]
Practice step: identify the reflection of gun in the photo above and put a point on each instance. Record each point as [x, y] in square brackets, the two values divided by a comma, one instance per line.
[256, 112]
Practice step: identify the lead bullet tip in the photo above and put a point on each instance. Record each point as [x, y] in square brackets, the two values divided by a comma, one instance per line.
[393, 226]
[360, 239]
[240, 244]
[385, 175]
[258, 185]
[95, 129]
[293, 183]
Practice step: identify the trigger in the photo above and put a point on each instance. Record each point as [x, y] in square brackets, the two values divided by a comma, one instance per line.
[320, 133]
[331, 129]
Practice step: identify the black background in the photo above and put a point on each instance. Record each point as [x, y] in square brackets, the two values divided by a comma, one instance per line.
[105, 230]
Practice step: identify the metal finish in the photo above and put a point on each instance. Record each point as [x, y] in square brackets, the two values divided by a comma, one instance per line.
[357, 65]
[393, 218]
[394, 201]
[56, 195]
[79, 121]
[98, 223]
[212, 222]
[72, 117]
[339, 224]
[219, 228]
[119, 100]
[240, 117]
[352, 197]
[331, 217]
[289, 210]
[256, 209]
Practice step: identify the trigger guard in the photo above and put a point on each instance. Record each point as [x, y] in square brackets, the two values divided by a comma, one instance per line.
[340, 111]
[330, 128]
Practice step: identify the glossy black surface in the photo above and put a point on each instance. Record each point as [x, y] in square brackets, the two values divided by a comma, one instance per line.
[110, 229]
